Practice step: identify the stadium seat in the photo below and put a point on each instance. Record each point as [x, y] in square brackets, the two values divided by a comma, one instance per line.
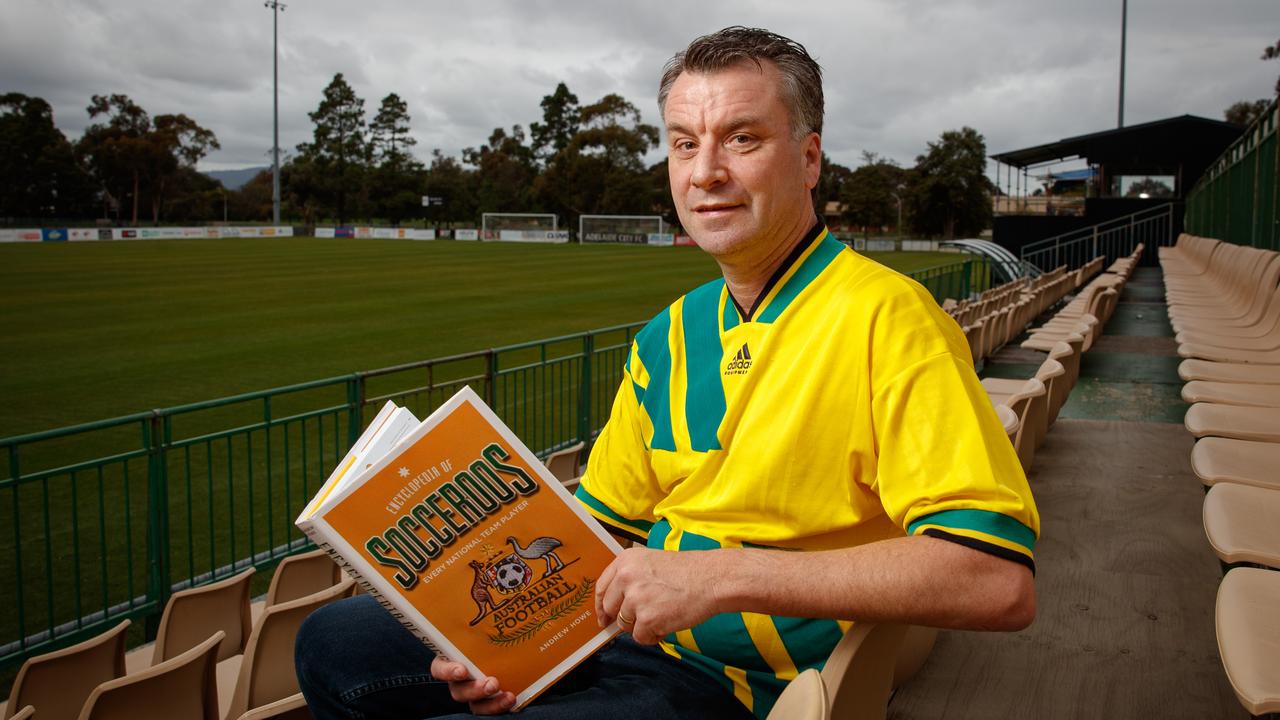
[1226, 393]
[293, 707]
[183, 686]
[193, 614]
[301, 575]
[859, 673]
[1233, 421]
[1228, 372]
[1030, 404]
[1242, 524]
[1223, 460]
[1257, 336]
[917, 645]
[264, 674]
[1051, 374]
[804, 698]
[564, 463]
[58, 683]
[25, 713]
[1248, 629]
[1009, 419]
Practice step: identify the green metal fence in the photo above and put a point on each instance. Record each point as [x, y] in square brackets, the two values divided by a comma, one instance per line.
[1236, 199]
[104, 521]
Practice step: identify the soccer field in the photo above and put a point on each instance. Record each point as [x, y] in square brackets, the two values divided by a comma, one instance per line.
[98, 330]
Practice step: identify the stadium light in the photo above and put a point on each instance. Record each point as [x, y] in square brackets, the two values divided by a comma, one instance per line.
[1124, 30]
[276, 8]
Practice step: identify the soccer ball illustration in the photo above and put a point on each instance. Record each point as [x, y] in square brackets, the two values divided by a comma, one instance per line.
[511, 574]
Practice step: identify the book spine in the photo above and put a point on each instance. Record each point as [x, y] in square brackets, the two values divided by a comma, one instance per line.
[350, 569]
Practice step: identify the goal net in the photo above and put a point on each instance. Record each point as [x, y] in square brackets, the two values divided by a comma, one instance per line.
[521, 227]
[619, 228]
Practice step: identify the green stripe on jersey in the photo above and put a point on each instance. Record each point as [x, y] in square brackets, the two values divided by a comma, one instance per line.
[653, 344]
[983, 521]
[586, 498]
[808, 641]
[704, 403]
[813, 265]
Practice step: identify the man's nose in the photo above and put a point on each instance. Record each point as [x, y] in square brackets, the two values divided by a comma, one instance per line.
[709, 168]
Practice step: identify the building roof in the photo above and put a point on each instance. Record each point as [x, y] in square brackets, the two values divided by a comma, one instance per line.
[1160, 144]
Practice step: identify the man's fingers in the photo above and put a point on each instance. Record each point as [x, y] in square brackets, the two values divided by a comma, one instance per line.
[495, 705]
[447, 670]
[474, 691]
[602, 586]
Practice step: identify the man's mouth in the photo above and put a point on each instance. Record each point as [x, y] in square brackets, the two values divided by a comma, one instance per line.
[715, 208]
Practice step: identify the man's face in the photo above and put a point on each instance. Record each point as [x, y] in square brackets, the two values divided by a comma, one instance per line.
[740, 180]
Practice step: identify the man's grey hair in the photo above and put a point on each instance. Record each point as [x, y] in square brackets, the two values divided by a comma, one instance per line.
[801, 75]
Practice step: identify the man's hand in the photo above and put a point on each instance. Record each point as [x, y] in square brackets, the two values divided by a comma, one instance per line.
[652, 593]
[483, 696]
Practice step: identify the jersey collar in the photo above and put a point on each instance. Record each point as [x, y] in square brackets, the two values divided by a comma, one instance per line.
[762, 309]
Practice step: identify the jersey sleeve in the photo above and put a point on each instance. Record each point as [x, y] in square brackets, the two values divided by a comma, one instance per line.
[945, 466]
[620, 488]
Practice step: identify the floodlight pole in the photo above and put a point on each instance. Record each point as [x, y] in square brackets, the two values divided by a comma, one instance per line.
[276, 8]
[1124, 27]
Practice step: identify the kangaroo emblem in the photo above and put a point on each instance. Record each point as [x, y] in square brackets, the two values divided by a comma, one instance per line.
[480, 592]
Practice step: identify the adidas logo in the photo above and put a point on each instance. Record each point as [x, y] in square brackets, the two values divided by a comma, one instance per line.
[740, 363]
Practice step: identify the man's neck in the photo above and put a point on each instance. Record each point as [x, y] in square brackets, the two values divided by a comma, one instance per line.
[747, 276]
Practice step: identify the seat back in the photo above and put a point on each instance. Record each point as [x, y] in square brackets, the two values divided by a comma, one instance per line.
[564, 463]
[1030, 405]
[184, 686]
[859, 672]
[58, 683]
[298, 576]
[804, 698]
[194, 614]
[266, 674]
[1051, 374]
[1066, 354]
[25, 713]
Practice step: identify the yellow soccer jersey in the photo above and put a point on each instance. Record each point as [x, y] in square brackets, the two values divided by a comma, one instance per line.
[843, 409]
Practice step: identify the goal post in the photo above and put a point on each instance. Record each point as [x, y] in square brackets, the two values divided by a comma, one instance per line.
[522, 227]
[619, 228]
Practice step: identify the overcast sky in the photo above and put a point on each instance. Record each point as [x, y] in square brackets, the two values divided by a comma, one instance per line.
[898, 73]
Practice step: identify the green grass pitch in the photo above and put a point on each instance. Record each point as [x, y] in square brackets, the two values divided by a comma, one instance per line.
[98, 330]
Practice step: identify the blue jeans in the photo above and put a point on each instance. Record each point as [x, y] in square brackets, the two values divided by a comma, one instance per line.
[354, 661]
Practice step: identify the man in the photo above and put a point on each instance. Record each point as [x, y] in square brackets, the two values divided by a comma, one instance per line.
[810, 400]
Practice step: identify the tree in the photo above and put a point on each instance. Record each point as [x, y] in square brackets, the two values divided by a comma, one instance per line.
[1151, 187]
[506, 170]
[446, 178]
[396, 180]
[830, 185]
[1244, 112]
[561, 119]
[339, 150]
[872, 193]
[116, 151]
[174, 145]
[601, 170]
[949, 192]
[39, 175]
[1271, 52]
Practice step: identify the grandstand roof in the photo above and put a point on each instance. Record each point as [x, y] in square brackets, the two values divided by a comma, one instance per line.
[1158, 145]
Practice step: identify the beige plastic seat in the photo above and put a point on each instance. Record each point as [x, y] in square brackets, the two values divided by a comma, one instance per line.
[1050, 375]
[1224, 393]
[1088, 327]
[194, 614]
[1243, 525]
[301, 575]
[1224, 460]
[1030, 404]
[564, 463]
[1009, 419]
[859, 673]
[1261, 335]
[1217, 353]
[804, 698]
[1249, 636]
[58, 683]
[1233, 421]
[1227, 372]
[184, 686]
[25, 713]
[293, 707]
[915, 649]
[264, 674]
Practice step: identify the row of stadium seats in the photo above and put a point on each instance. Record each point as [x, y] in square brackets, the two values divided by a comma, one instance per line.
[1030, 407]
[216, 655]
[1224, 304]
[1001, 313]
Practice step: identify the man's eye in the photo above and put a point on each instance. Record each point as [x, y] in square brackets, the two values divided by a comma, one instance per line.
[685, 145]
[741, 139]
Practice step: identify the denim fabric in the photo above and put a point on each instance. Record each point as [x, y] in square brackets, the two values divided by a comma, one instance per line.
[355, 662]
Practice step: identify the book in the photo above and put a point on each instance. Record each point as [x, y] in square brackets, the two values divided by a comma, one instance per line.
[469, 541]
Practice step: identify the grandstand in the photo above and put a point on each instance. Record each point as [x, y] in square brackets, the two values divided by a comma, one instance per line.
[1091, 365]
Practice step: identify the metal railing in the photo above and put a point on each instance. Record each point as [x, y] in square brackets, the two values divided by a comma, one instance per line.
[1113, 239]
[105, 520]
[1237, 199]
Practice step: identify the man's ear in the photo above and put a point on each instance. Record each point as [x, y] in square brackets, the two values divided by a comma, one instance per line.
[812, 159]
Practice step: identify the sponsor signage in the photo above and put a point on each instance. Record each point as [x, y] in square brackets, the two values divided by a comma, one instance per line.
[662, 239]
[127, 234]
[683, 241]
[105, 234]
[53, 234]
[466, 234]
[383, 233]
[344, 232]
[24, 235]
[324, 232]
[82, 234]
[616, 237]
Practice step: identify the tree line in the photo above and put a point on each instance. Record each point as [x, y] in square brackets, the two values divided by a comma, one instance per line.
[576, 159]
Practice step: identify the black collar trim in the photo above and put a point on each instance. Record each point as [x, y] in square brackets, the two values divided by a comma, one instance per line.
[787, 262]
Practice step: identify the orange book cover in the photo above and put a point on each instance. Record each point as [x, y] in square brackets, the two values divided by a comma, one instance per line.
[474, 546]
